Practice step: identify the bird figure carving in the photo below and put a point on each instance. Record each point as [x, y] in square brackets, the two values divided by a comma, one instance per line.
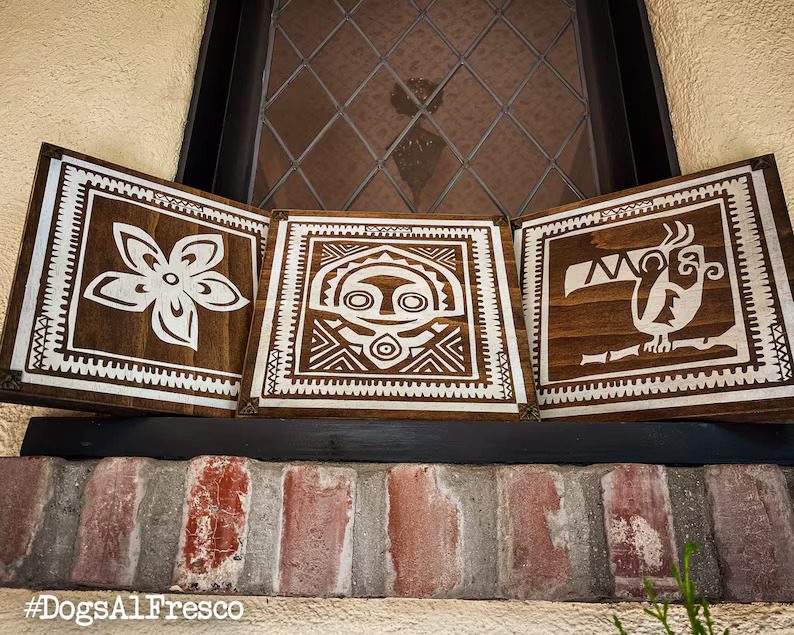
[668, 288]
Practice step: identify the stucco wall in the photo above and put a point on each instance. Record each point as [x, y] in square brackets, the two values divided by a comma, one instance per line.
[112, 78]
[457, 617]
[727, 68]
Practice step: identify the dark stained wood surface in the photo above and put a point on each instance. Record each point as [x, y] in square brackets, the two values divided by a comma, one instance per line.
[446, 441]
[668, 300]
[395, 315]
[131, 294]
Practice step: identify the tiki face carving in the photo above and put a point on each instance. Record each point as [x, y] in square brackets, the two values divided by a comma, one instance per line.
[386, 293]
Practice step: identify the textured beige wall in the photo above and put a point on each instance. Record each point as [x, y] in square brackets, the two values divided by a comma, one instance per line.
[457, 617]
[728, 68]
[112, 78]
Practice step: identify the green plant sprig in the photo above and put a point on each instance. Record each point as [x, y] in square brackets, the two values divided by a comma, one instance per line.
[692, 605]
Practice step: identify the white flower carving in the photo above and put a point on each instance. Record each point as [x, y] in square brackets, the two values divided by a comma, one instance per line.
[174, 285]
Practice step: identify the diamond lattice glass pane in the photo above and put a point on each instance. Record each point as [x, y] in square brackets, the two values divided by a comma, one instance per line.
[477, 59]
[461, 20]
[502, 60]
[308, 22]
[564, 57]
[285, 61]
[293, 194]
[577, 162]
[344, 62]
[553, 192]
[272, 164]
[423, 164]
[510, 165]
[423, 56]
[337, 164]
[374, 114]
[379, 194]
[548, 109]
[300, 112]
[465, 110]
[383, 21]
[467, 196]
[539, 20]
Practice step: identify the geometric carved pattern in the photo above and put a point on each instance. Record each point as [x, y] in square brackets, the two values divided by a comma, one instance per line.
[397, 314]
[132, 293]
[674, 300]
[782, 351]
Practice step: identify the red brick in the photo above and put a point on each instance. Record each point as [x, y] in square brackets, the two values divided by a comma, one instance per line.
[315, 557]
[212, 545]
[536, 561]
[26, 488]
[754, 531]
[424, 532]
[107, 538]
[639, 528]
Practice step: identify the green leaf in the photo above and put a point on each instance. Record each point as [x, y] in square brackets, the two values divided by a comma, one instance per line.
[649, 591]
[618, 625]
[707, 614]
[688, 591]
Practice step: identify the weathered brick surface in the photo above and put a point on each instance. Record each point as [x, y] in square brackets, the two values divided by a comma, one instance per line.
[535, 559]
[264, 527]
[546, 532]
[159, 522]
[51, 558]
[692, 524]
[315, 557]
[592, 575]
[551, 540]
[372, 570]
[639, 529]
[215, 524]
[754, 530]
[424, 529]
[474, 488]
[25, 489]
[389, 552]
[108, 542]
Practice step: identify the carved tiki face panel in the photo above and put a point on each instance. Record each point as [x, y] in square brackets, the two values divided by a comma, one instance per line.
[389, 300]
[388, 314]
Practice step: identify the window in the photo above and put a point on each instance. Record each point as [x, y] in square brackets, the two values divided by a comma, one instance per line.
[460, 106]
[426, 105]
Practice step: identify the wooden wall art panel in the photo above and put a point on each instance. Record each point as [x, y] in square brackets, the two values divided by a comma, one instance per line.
[131, 294]
[397, 315]
[668, 300]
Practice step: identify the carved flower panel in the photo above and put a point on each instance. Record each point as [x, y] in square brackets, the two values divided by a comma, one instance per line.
[132, 294]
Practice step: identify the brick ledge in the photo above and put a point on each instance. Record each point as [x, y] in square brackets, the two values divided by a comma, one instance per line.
[227, 524]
